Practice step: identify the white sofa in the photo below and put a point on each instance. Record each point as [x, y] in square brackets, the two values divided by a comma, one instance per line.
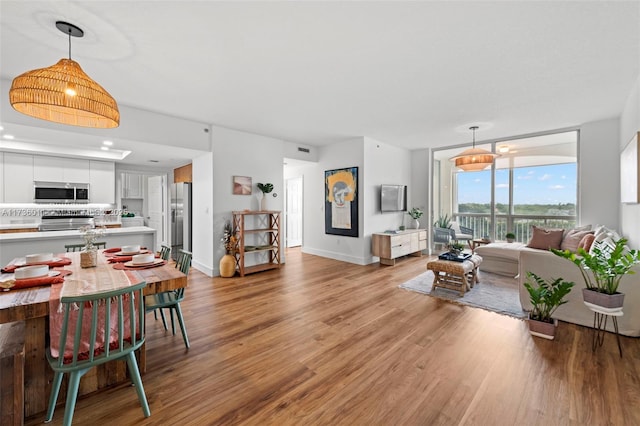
[549, 266]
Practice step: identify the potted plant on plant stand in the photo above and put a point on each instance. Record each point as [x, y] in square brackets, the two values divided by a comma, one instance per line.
[510, 236]
[602, 268]
[545, 296]
[265, 188]
[415, 214]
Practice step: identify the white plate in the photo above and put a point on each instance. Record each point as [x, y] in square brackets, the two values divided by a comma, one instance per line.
[123, 253]
[50, 274]
[135, 265]
[24, 263]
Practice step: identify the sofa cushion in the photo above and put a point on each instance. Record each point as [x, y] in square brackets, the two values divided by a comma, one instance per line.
[544, 239]
[501, 250]
[586, 242]
[572, 238]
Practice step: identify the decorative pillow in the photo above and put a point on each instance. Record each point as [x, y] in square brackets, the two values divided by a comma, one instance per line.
[586, 241]
[572, 238]
[544, 239]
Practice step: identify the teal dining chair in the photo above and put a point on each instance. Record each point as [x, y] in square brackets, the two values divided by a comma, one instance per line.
[171, 299]
[165, 254]
[126, 335]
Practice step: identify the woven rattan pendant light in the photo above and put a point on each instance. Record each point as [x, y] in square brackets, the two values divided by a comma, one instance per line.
[63, 93]
[474, 159]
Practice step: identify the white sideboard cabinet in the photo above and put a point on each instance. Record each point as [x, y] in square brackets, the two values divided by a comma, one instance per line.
[390, 246]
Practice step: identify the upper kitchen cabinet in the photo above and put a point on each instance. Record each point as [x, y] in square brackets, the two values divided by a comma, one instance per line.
[59, 169]
[102, 182]
[132, 185]
[18, 178]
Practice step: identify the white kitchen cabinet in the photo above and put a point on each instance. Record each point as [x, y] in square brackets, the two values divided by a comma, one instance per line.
[59, 169]
[132, 185]
[18, 178]
[102, 182]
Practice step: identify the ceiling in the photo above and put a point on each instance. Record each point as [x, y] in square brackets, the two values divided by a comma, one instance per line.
[411, 74]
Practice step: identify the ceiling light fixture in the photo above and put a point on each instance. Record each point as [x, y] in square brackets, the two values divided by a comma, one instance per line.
[503, 149]
[474, 159]
[63, 93]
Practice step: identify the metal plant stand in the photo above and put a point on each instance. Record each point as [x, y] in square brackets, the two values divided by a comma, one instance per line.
[600, 317]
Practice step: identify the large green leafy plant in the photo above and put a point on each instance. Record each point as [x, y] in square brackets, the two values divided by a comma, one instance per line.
[604, 266]
[546, 296]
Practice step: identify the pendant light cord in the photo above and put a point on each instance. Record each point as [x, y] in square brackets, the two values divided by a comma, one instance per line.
[69, 43]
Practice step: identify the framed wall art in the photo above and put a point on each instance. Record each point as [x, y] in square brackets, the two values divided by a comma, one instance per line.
[241, 185]
[629, 164]
[341, 202]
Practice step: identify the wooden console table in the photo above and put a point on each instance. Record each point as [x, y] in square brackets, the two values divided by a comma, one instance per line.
[389, 246]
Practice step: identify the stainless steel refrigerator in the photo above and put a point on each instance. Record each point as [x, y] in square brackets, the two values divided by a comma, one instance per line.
[181, 233]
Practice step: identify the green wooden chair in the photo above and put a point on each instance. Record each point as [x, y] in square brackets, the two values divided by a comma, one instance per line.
[129, 336]
[171, 299]
[79, 247]
[165, 254]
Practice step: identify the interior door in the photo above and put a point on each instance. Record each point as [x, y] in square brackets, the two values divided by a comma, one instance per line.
[294, 212]
[156, 208]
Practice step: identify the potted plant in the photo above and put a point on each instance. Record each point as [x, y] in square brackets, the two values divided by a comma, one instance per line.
[415, 214]
[545, 296]
[229, 242]
[456, 248]
[510, 236]
[265, 188]
[602, 268]
[443, 221]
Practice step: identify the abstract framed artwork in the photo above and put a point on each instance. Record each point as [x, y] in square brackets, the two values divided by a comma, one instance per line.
[629, 165]
[241, 185]
[341, 202]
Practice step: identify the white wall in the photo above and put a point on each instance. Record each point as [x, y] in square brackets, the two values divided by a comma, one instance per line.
[377, 163]
[630, 125]
[384, 164]
[237, 153]
[599, 173]
[203, 244]
[336, 156]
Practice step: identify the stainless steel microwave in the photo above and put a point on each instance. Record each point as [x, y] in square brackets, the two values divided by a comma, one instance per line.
[57, 192]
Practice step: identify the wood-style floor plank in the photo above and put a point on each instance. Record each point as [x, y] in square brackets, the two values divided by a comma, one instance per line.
[322, 342]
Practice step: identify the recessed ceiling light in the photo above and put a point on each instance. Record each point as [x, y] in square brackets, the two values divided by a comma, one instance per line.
[1, 128]
[8, 136]
[154, 161]
[503, 149]
[107, 143]
[104, 148]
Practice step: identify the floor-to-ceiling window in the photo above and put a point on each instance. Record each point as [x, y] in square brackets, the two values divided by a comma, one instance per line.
[533, 182]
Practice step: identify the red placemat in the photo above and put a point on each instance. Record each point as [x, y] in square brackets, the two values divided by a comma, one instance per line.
[61, 261]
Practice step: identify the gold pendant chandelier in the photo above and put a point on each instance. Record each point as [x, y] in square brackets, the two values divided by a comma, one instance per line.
[474, 159]
[64, 94]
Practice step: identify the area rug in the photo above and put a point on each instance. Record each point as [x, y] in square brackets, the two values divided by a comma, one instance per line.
[494, 292]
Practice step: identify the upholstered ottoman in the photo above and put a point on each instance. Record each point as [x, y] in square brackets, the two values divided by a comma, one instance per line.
[500, 258]
[460, 276]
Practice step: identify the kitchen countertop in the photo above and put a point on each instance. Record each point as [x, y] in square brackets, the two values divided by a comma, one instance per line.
[36, 224]
[73, 233]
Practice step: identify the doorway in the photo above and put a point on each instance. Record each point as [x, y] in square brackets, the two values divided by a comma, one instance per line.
[293, 209]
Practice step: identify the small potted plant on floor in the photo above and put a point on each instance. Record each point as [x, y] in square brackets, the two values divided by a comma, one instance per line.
[602, 268]
[545, 296]
[510, 236]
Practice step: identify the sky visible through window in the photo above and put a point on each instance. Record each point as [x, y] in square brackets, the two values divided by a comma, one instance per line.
[554, 184]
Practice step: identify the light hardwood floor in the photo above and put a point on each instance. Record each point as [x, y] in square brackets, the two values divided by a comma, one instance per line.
[322, 342]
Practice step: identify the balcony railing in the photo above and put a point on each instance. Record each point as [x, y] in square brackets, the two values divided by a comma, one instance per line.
[520, 225]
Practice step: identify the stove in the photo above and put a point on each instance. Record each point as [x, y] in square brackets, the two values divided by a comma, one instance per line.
[65, 222]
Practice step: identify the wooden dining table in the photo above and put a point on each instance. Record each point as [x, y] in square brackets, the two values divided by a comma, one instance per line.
[31, 305]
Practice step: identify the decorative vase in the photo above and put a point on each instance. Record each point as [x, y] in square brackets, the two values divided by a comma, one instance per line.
[227, 266]
[89, 258]
[263, 203]
[609, 301]
[416, 224]
[546, 330]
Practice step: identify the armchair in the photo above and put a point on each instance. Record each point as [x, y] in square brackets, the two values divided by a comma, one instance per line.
[462, 233]
[443, 235]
